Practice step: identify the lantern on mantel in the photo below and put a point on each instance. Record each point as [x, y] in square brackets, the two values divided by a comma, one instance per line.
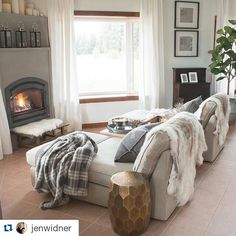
[21, 36]
[5, 37]
[35, 36]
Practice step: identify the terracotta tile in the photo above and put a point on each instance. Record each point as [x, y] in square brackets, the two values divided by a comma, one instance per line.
[86, 211]
[228, 153]
[216, 181]
[201, 172]
[183, 230]
[156, 227]
[223, 222]
[97, 230]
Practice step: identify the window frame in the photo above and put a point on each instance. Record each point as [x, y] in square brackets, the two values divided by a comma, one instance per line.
[128, 18]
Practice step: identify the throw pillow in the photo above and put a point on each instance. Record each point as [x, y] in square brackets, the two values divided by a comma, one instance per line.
[193, 105]
[131, 144]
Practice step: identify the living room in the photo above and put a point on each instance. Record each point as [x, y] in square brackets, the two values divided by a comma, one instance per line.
[109, 69]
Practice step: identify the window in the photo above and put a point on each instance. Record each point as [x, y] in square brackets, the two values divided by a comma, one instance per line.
[107, 55]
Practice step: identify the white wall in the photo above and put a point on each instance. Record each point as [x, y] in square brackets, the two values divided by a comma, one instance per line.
[101, 112]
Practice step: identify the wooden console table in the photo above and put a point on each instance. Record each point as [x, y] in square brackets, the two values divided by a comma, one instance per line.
[188, 91]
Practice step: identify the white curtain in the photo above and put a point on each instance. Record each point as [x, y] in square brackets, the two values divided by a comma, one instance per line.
[5, 138]
[226, 11]
[152, 82]
[64, 76]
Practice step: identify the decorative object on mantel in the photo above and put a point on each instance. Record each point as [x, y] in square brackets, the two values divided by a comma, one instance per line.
[19, 7]
[35, 36]
[15, 6]
[22, 7]
[5, 37]
[184, 78]
[21, 36]
[192, 77]
[6, 7]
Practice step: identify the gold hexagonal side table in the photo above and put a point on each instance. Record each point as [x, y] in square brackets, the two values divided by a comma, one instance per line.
[129, 203]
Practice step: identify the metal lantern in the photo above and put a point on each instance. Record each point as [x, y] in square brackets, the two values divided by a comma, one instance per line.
[5, 38]
[35, 37]
[21, 37]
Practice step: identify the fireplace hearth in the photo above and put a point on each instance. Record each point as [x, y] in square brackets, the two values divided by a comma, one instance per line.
[27, 101]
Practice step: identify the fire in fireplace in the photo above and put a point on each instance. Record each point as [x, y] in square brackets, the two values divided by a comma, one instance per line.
[26, 101]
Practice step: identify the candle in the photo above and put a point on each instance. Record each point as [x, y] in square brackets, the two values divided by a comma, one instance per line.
[30, 5]
[0, 5]
[6, 7]
[22, 7]
[34, 12]
[15, 6]
[29, 11]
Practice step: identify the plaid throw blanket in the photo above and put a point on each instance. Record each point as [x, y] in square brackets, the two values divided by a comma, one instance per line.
[62, 168]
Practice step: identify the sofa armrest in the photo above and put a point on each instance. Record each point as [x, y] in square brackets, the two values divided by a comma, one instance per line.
[162, 203]
[211, 124]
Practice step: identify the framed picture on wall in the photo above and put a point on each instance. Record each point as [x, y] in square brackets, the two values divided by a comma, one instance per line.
[186, 14]
[193, 77]
[186, 43]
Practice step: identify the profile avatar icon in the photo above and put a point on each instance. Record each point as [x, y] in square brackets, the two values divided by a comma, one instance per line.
[21, 227]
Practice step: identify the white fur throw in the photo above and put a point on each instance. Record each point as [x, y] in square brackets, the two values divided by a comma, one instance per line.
[39, 127]
[187, 143]
[222, 114]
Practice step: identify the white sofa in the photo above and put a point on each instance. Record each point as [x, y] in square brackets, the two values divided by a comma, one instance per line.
[103, 165]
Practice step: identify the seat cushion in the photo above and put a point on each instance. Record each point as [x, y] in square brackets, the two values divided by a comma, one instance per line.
[103, 165]
[31, 154]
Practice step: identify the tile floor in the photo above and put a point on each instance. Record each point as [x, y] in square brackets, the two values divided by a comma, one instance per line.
[212, 212]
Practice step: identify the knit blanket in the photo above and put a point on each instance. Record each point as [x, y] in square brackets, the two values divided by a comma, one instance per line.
[222, 114]
[62, 168]
[187, 143]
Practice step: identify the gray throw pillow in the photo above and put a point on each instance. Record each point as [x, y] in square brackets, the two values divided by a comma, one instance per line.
[131, 144]
[193, 105]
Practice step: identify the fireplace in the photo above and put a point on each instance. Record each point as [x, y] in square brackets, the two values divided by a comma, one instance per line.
[27, 101]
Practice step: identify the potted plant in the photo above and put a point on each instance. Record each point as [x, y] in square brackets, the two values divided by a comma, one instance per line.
[223, 61]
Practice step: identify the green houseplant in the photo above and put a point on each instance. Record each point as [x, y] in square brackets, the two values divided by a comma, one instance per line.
[223, 57]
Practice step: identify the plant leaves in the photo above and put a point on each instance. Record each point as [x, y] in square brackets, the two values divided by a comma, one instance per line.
[220, 31]
[228, 29]
[233, 22]
[231, 38]
[220, 78]
[215, 71]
